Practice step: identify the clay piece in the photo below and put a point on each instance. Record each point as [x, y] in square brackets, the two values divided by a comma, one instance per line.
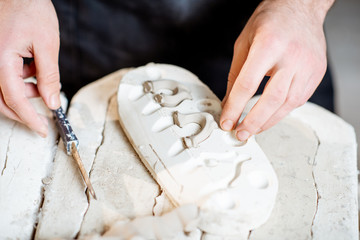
[171, 119]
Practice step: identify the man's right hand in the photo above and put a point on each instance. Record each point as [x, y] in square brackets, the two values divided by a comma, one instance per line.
[28, 29]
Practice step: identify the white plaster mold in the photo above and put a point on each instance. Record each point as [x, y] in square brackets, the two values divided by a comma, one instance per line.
[312, 151]
[171, 122]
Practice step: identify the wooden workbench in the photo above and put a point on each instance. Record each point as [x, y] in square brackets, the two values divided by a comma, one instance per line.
[42, 195]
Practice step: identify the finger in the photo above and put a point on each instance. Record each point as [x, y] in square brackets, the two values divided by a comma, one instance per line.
[13, 93]
[313, 83]
[31, 90]
[29, 70]
[271, 100]
[241, 50]
[47, 71]
[295, 98]
[7, 111]
[258, 63]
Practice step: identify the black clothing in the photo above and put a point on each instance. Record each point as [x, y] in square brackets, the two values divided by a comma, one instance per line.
[98, 37]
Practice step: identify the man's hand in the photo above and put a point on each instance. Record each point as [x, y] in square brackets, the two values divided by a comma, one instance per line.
[28, 29]
[283, 39]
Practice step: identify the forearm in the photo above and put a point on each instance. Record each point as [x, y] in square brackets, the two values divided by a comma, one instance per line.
[317, 8]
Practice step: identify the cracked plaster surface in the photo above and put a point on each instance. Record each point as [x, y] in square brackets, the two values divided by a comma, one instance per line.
[22, 169]
[292, 152]
[124, 188]
[65, 201]
[330, 201]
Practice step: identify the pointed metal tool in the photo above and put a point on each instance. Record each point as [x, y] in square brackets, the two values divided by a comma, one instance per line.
[71, 144]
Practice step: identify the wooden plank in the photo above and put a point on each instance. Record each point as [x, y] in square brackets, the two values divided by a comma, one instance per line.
[25, 160]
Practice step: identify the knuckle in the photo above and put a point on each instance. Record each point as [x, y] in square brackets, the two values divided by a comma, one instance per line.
[247, 85]
[277, 97]
[251, 124]
[294, 101]
[7, 62]
[50, 80]
[11, 101]
[268, 40]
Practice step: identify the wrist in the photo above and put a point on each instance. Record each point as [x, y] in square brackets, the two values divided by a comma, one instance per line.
[320, 7]
[315, 8]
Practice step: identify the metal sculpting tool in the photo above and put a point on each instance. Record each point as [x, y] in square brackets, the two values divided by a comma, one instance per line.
[71, 144]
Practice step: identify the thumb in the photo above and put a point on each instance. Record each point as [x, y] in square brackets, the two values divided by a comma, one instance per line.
[47, 72]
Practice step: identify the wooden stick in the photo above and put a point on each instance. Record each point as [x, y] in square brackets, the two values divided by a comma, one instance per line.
[80, 164]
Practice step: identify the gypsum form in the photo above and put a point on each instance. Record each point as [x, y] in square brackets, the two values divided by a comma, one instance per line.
[172, 120]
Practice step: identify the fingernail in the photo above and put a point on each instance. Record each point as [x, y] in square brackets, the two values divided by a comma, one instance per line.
[227, 125]
[54, 101]
[44, 128]
[44, 120]
[42, 132]
[242, 135]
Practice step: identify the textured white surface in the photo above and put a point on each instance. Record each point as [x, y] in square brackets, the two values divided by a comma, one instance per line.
[303, 210]
[124, 188]
[65, 202]
[233, 183]
[25, 160]
[335, 174]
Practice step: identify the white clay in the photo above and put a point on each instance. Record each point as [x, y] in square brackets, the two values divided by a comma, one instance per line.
[194, 161]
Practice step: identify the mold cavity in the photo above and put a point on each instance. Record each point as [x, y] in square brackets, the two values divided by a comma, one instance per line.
[189, 129]
[162, 124]
[258, 179]
[150, 108]
[135, 93]
[224, 201]
[237, 174]
[219, 156]
[153, 72]
[230, 139]
[176, 148]
[211, 162]
[208, 105]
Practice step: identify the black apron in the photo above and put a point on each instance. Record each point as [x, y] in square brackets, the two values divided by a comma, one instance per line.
[98, 37]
